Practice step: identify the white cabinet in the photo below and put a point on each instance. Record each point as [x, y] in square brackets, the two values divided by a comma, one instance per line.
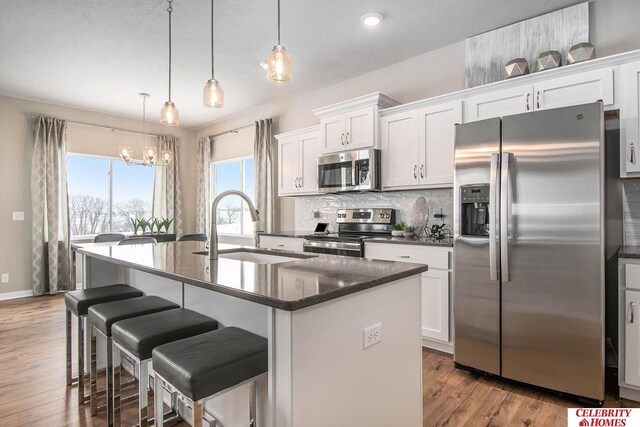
[580, 88]
[630, 113]
[294, 244]
[352, 124]
[435, 287]
[629, 328]
[298, 153]
[417, 146]
[632, 338]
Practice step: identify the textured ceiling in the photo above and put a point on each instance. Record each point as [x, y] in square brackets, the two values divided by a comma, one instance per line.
[99, 54]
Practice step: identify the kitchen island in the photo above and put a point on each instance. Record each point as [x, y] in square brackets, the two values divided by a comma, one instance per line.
[313, 309]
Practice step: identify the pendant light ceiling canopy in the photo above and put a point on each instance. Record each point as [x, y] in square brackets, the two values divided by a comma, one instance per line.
[279, 62]
[213, 95]
[169, 113]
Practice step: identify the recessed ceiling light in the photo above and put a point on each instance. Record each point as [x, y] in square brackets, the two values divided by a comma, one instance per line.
[371, 19]
[264, 65]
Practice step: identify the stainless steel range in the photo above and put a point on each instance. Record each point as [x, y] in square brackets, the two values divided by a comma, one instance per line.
[354, 226]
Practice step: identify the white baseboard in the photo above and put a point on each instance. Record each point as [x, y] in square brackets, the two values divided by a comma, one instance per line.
[438, 345]
[14, 295]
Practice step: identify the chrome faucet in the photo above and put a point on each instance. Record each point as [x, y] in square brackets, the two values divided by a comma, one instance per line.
[213, 238]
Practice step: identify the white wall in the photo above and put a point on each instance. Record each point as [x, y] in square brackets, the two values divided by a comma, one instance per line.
[614, 29]
[16, 139]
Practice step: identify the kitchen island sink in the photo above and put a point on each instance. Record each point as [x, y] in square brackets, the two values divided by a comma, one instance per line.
[257, 256]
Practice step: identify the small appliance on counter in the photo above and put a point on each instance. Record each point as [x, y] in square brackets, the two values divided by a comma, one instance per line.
[354, 226]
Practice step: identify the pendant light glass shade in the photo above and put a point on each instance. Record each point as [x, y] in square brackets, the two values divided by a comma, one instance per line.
[213, 95]
[126, 153]
[279, 65]
[149, 155]
[165, 159]
[169, 114]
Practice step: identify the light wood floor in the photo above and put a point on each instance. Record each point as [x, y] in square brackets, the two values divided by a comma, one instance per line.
[33, 391]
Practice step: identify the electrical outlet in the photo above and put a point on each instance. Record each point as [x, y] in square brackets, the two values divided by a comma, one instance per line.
[5, 277]
[18, 216]
[372, 335]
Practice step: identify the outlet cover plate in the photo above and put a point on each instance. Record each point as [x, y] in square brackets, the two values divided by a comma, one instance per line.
[372, 335]
[5, 277]
[18, 216]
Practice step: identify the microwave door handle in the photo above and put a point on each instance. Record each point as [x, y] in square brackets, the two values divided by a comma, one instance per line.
[505, 212]
[494, 200]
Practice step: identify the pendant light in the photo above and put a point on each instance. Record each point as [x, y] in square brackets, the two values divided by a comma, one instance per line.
[213, 95]
[169, 113]
[279, 62]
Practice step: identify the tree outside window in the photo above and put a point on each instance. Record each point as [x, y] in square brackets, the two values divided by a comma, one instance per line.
[233, 213]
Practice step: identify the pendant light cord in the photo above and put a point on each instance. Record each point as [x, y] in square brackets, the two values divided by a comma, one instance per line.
[278, 22]
[170, 10]
[212, 63]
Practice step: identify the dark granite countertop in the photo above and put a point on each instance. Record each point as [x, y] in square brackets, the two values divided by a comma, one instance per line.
[627, 251]
[289, 233]
[307, 280]
[420, 241]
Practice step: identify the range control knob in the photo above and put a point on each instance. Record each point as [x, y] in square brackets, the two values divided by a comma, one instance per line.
[387, 216]
[381, 216]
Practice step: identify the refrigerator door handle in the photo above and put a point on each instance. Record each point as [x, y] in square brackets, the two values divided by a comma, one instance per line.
[504, 215]
[494, 200]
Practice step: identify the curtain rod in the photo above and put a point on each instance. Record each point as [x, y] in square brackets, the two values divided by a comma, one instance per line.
[232, 130]
[105, 127]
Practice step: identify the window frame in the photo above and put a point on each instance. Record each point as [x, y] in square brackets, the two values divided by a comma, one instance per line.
[133, 162]
[213, 192]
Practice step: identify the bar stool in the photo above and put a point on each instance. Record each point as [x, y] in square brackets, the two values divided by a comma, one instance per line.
[137, 337]
[207, 365]
[197, 237]
[101, 318]
[78, 303]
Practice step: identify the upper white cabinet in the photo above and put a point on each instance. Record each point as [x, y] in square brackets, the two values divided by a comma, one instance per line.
[417, 146]
[574, 89]
[353, 124]
[298, 153]
[630, 84]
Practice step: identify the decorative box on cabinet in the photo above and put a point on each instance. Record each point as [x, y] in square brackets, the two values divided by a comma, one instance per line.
[417, 146]
[436, 287]
[352, 124]
[298, 153]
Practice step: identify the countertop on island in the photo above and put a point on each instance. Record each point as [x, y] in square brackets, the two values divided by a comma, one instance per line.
[308, 280]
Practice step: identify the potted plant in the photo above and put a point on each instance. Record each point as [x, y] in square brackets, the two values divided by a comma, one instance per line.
[166, 222]
[143, 223]
[135, 222]
[398, 229]
[409, 231]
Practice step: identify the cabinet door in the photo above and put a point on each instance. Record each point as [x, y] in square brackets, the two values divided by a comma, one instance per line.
[294, 244]
[575, 89]
[435, 305]
[288, 158]
[359, 128]
[632, 338]
[501, 103]
[437, 138]
[400, 149]
[631, 115]
[309, 152]
[332, 134]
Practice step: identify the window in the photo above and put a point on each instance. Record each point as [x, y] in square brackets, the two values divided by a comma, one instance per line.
[233, 213]
[104, 193]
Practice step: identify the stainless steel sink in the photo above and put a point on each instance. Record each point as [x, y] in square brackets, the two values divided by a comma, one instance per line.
[257, 257]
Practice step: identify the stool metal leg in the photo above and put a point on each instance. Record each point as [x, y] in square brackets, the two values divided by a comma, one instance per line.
[197, 414]
[80, 360]
[116, 385]
[158, 406]
[109, 380]
[143, 393]
[93, 373]
[68, 333]
[253, 397]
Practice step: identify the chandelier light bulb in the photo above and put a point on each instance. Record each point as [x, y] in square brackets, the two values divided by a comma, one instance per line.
[126, 153]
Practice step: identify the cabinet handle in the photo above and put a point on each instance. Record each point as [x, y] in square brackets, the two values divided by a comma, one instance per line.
[415, 174]
[342, 139]
[632, 153]
[528, 96]
[280, 246]
[404, 256]
[301, 182]
[538, 99]
[296, 183]
[631, 308]
[421, 171]
[347, 138]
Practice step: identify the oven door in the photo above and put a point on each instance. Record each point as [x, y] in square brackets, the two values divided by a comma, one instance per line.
[334, 248]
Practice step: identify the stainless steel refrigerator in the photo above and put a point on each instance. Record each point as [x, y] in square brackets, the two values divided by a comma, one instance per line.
[536, 220]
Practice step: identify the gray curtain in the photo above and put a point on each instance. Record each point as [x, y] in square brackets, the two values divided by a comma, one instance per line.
[50, 208]
[167, 189]
[203, 184]
[263, 173]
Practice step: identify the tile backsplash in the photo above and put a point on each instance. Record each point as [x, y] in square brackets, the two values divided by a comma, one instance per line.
[631, 212]
[313, 209]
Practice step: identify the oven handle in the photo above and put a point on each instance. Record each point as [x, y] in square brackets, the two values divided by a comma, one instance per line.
[332, 245]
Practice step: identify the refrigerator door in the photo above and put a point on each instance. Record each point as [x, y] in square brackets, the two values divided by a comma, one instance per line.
[475, 257]
[552, 249]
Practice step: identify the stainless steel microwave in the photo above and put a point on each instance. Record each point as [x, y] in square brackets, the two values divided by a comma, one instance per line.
[357, 170]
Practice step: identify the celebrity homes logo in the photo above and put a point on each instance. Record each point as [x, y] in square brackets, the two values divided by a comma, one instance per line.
[603, 417]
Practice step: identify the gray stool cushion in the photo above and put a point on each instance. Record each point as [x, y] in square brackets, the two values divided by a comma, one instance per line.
[140, 335]
[79, 301]
[206, 364]
[102, 316]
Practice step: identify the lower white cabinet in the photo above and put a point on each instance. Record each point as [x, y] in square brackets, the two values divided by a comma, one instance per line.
[632, 338]
[629, 328]
[294, 244]
[435, 287]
